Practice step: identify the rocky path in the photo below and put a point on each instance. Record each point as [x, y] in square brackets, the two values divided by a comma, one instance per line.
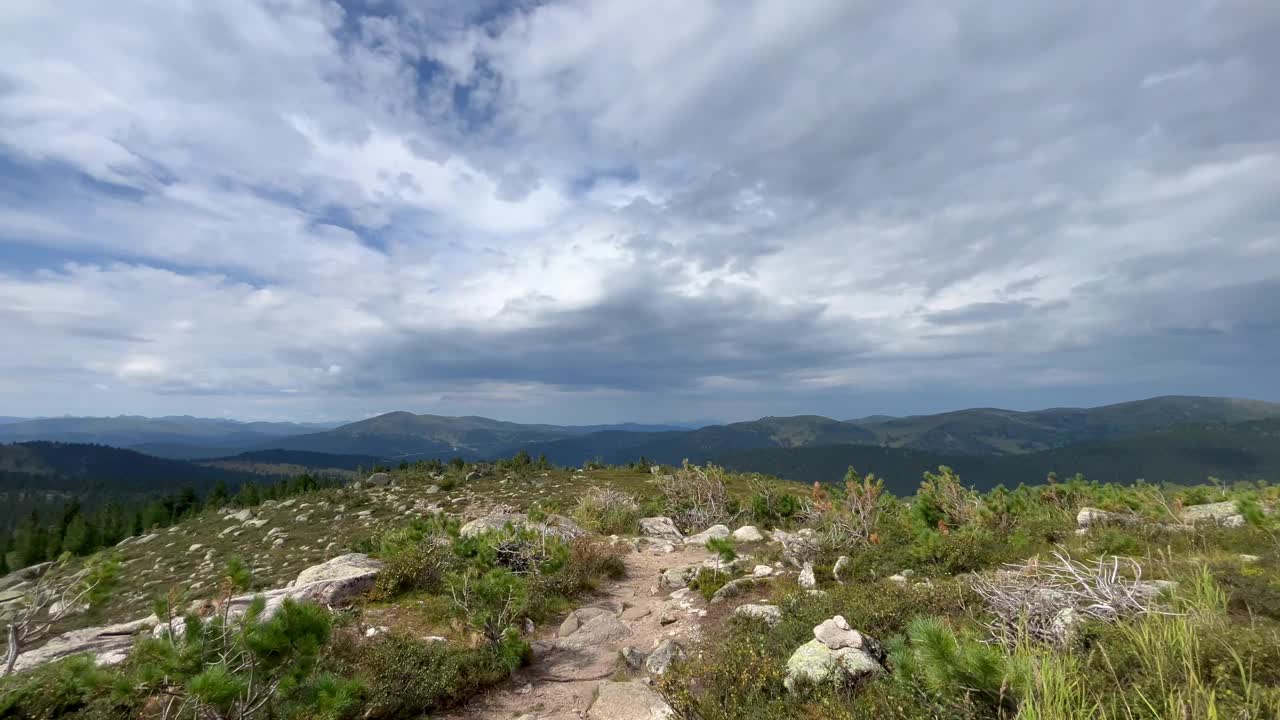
[571, 660]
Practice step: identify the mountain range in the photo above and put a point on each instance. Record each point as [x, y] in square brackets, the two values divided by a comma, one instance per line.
[404, 436]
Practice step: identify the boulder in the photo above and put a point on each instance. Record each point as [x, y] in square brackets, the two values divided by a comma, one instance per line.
[596, 627]
[761, 571]
[628, 701]
[241, 516]
[715, 532]
[1089, 516]
[771, 614]
[554, 525]
[380, 479]
[667, 652]
[748, 533]
[837, 654]
[815, 664]
[663, 528]
[677, 577]
[734, 588]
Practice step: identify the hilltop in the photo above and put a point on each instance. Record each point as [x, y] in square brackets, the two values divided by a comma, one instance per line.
[483, 591]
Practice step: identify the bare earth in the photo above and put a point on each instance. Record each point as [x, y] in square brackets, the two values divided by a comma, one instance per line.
[560, 682]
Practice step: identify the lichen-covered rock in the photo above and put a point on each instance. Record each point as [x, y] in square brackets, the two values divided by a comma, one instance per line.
[667, 652]
[380, 479]
[816, 664]
[748, 533]
[798, 547]
[677, 577]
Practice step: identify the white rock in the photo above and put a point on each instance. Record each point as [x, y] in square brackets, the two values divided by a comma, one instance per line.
[835, 633]
[807, 580]
[761, 571]
[748, 533]
[771, 614]
[660, 527]
[717, 532]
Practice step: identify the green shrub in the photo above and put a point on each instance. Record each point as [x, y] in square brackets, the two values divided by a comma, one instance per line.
[72, 688]
[417, 566]
[708, 581]
[490, 601]
[958, 668]
[403, 676]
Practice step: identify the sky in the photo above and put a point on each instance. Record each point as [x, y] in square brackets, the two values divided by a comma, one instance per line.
[601, 211]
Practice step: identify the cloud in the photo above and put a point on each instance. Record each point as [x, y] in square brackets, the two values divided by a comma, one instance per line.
[587, 211]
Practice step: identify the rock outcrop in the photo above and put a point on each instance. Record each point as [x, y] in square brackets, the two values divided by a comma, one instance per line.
[628, 701]
[554, 525]
[660, 528]
[798, 547]
[333, 583]
[595, 626]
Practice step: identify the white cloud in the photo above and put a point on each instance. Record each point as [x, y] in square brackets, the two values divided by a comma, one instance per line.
[310, 210]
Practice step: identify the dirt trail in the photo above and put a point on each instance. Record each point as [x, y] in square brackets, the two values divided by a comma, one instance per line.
[560, 682]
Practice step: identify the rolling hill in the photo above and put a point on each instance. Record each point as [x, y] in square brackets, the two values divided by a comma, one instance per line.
[406, 436]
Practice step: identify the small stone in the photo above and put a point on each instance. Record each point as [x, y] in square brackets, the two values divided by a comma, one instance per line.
[633, 657]
[835, 633]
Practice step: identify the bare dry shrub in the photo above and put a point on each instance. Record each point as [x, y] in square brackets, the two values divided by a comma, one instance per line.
[1039, 600]
[697, 496]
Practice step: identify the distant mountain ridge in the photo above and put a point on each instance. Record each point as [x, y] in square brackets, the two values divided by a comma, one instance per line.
[986, 431]
[1184, 454]
[130, 430]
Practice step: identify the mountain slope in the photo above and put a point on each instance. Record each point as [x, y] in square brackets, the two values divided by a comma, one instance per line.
[1182, 454]
[72, 466]
[983, 431]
